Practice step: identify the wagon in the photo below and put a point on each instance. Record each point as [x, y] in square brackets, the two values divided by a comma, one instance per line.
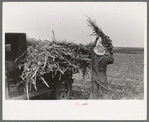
[15, 45]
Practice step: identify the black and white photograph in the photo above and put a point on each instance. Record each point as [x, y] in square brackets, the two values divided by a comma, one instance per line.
[81, 55]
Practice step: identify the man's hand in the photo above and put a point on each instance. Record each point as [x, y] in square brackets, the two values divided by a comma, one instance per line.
[97, 37]
[95, 42]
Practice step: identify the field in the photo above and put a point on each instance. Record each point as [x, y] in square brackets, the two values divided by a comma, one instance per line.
[134, 50]
[125, 77]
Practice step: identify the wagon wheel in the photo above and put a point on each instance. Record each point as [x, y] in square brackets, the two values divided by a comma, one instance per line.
[63, 89]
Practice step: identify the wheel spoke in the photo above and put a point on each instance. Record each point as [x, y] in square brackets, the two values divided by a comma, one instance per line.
[64, 94]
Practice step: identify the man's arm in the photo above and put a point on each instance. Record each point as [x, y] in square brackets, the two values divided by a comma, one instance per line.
[109, 59]
[95, 42]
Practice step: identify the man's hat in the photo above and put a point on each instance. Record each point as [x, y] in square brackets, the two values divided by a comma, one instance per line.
[99, 49]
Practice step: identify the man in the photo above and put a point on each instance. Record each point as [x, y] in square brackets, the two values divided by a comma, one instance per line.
[100, 60]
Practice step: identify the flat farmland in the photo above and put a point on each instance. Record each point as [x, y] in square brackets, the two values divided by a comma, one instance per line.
[125, 78]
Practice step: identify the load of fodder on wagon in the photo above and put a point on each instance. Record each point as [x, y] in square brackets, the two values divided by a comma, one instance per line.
[52, 56]
[106, 41]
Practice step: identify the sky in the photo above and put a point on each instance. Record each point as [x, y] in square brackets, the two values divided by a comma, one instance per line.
[124, 22]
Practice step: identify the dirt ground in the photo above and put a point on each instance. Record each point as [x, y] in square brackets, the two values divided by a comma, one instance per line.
[125, 78]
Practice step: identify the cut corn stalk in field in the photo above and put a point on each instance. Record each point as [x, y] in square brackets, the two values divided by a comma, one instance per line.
[106, 41]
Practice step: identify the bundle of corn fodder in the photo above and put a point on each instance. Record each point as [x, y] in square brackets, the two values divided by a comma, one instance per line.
[106, 41]
[46, 56]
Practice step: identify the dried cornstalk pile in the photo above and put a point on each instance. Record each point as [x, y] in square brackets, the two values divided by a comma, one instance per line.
[52, 56]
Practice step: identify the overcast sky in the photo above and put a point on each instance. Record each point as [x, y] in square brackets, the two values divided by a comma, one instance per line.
[124, 23]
